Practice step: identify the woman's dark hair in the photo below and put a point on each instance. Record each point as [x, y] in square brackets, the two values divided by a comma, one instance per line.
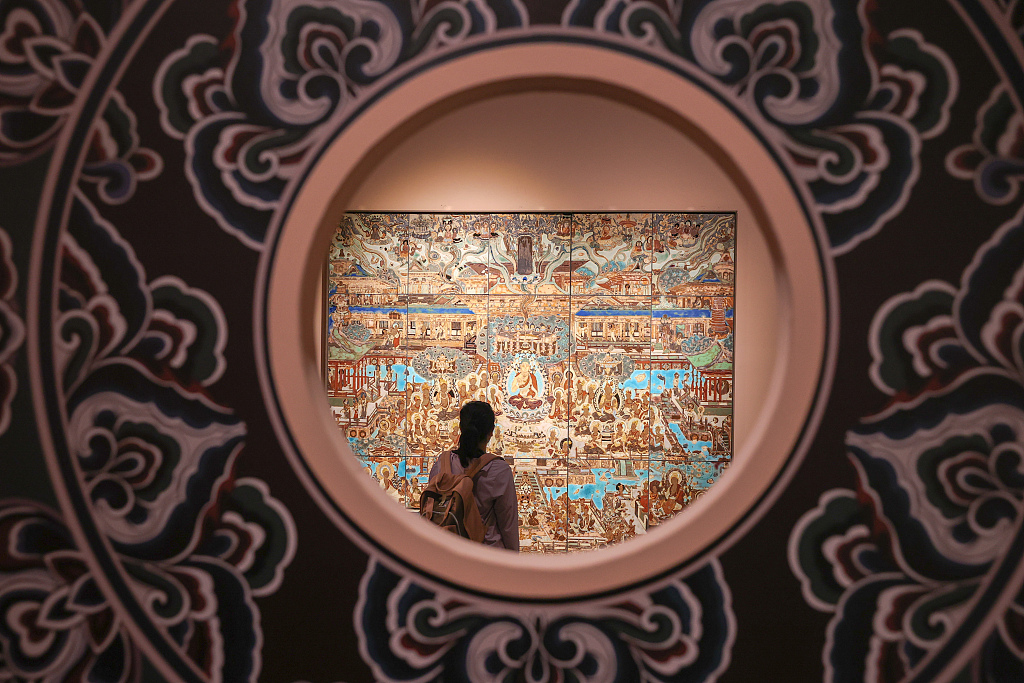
[476, 420]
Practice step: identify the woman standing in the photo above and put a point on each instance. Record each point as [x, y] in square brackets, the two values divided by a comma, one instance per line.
[494, 486]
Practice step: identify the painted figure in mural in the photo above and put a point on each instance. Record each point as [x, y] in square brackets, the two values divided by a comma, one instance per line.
[563, 226]
[637, 255]
[524, 388]
[559, 406]
[483, 228]
[494, 487]
[444, 395]
[375, 231]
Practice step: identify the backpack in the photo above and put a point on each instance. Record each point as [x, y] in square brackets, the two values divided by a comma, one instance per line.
[448, 501]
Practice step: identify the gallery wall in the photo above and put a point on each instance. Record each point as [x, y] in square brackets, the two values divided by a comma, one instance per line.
[176, 501]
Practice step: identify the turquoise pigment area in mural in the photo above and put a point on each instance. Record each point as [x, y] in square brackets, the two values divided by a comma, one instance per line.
[604, 342]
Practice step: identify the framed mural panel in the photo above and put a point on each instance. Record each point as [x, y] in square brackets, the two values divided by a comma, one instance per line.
[604, 342]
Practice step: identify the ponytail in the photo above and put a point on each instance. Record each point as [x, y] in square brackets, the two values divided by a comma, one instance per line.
[476, 421]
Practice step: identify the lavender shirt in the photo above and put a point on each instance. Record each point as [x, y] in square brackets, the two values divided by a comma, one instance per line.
[495, 493]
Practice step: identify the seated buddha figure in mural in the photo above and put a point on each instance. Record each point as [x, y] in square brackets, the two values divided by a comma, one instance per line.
[524, 389]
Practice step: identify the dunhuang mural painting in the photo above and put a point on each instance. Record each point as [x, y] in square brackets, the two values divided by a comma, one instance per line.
[603, 341]
[157, 524]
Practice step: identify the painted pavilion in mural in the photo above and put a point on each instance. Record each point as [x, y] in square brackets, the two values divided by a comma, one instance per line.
[603, 341]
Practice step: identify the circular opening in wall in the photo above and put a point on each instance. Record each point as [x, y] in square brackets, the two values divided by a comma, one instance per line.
[505, 131]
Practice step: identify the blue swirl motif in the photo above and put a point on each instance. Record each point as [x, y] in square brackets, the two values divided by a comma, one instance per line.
[153, 458]
[924, 565]
[48, 48]
[250, 117]
[994, 159]
[12, 330]
[847, 107]
[680, 631]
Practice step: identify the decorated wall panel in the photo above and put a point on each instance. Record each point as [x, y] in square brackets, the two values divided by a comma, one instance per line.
[159, 522]
[603, 341]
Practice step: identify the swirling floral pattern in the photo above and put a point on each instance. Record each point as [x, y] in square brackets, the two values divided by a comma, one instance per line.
[42, 50]
[918, 561]
[994, 159]
[913, 564]
[682, 631]
[47, 48]
[55, 622]
[849, 107]
[12, 330]
[154, 454]
[248, 136]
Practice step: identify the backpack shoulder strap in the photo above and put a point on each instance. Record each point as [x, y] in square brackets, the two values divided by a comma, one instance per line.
[480, 463]
[445, 463]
